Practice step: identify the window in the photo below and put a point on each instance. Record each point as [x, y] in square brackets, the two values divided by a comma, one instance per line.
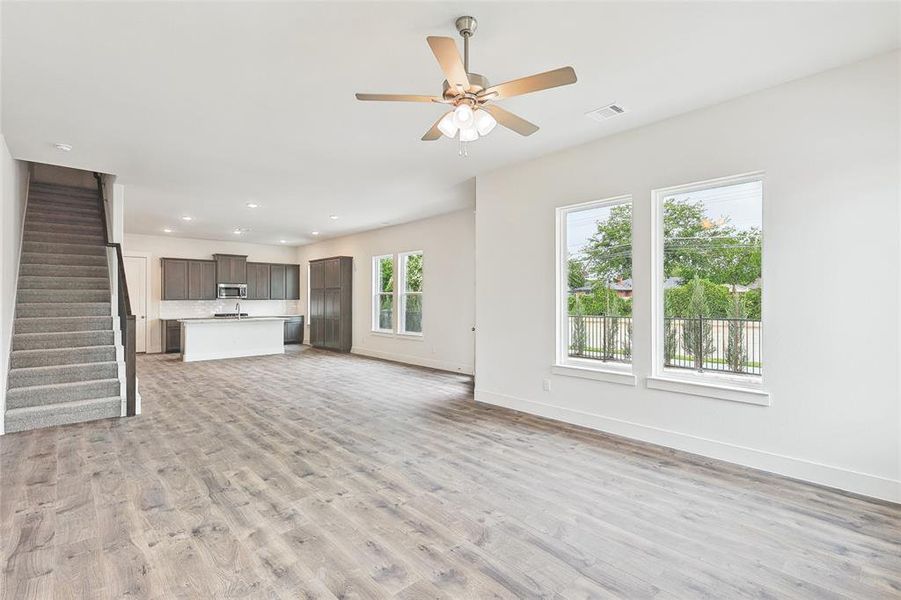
[708, 281]
[383, 293]
[410, 313]
[595, 284]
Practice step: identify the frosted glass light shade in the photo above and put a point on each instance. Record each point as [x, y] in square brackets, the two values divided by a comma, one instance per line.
[469, 134]
[484, 122]
[463, 116]
[447, 126]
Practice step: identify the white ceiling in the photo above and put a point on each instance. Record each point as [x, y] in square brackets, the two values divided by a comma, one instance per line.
[200, 108]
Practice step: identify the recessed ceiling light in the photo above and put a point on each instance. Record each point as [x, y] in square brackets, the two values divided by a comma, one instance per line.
[63, 147]
[167, 230]
[333, 217]
[252, 205]
[314, 232]
[283, 241]
[187, 218]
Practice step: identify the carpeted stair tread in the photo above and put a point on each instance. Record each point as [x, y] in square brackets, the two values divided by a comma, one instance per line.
[58, 309]
[62, 324]
[61, 374]
[64, 413]
[48, 357]
[54, 393]
[56, 205]
[64, 238]
[65, 271]
[37, 213]
[35, 216]
[40, 258]
[41, 296]
[44, 282]
[37, 341]
[62, 248]
[77, 228]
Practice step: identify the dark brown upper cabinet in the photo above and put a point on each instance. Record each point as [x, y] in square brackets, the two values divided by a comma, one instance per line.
[277, 282]
[292, 282]
[174, 280]
[201, 280]
[257, 281]
[184, 279]
[231, 268]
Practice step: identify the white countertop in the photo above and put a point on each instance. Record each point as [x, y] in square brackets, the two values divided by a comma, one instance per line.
[232, 319]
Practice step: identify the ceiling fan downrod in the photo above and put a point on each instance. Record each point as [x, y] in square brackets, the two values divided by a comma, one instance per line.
[466, 27]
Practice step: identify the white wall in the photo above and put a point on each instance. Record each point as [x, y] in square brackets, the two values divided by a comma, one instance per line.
[829, 145]
[13, 191]
[447, 243]
[172, 247]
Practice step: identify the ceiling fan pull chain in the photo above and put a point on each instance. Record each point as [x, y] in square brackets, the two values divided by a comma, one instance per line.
[463, 150]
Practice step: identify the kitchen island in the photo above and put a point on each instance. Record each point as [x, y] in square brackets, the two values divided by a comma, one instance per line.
[215, 338]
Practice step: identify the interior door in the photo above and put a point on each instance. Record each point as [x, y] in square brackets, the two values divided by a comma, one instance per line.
[136, 278]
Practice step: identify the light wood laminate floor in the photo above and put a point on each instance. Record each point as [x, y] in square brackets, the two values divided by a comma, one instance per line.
[319, 475]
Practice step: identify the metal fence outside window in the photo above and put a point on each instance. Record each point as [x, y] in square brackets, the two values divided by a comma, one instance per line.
[700, 343]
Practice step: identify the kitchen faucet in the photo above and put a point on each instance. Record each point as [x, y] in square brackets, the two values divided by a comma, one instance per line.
[238, 310]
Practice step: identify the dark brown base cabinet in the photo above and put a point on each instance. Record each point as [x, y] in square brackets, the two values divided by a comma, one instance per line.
[331, 303]
[171, 333]
[294, 330]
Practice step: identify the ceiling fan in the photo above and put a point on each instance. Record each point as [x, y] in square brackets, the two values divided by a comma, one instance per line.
[473, 114]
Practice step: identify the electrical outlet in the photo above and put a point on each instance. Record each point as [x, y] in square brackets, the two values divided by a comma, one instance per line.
[546, 385]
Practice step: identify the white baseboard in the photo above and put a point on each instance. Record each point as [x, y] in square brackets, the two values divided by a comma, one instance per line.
[415, 360]
[836, 477]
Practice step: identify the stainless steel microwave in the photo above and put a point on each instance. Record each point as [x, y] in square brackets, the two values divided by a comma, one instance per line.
[232, 290]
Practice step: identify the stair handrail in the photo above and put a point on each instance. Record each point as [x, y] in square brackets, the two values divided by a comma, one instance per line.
[126, 317]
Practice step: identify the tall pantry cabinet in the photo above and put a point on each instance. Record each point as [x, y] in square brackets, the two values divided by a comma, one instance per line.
[331, 303]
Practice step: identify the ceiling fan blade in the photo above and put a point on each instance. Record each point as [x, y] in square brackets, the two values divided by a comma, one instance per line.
[445, 50]
[434, 133]
[398, 98]
[533, 83]
[511, 121]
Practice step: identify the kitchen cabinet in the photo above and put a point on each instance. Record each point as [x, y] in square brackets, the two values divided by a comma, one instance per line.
[174, 280]
[277, 282]
[171, 335]
[292, 282]
[201, 280]
[294, 330]
[257, 281]
[183, 279]
[231, 268]
[330, 303]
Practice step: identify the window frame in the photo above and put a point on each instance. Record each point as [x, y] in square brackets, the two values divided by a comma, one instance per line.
[401, 298]
[377, 293]
[614, 372]
[726, 386]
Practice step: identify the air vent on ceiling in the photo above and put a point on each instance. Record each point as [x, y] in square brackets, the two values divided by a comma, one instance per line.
[605, 112]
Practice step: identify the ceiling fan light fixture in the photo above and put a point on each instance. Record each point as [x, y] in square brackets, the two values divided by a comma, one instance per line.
[469, 134]
[463, 116]
[447, 126]
[485, 123]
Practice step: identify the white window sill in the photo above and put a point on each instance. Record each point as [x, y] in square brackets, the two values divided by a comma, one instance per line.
[399, 335]
[748, 394]
[609, 375]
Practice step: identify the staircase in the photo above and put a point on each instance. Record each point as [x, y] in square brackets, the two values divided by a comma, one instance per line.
[66, 360]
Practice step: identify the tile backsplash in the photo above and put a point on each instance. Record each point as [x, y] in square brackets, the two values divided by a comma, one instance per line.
[182, 309]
